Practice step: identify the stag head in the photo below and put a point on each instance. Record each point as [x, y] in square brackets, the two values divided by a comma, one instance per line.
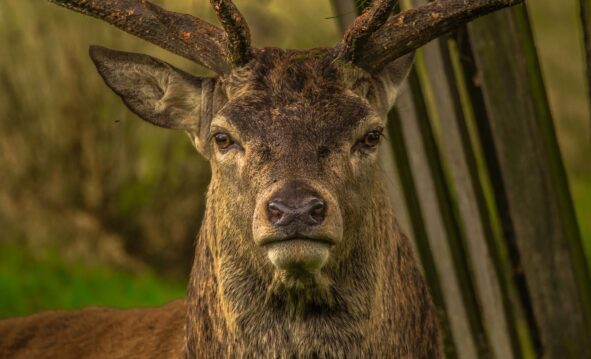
[292, 136]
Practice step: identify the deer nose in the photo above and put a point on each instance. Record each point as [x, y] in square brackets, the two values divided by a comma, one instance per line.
[309, 211]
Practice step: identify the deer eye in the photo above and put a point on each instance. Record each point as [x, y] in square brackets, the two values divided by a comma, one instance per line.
[371, 139]
[223, 140]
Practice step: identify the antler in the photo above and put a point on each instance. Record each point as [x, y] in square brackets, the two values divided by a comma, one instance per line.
[408, 30]
[371, 42]
[363, 27]
[182, 34]
[236, 28]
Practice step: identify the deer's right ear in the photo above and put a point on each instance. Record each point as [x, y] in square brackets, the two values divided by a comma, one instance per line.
[388, 82]
[158, 92]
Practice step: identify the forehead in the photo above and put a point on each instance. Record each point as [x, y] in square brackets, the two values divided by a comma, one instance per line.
[294, 92]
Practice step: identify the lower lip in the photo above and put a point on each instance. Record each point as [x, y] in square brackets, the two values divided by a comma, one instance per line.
[298, 254]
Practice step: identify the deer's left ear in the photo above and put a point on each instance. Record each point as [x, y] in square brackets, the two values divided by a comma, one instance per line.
[158, 92]
[387, 83]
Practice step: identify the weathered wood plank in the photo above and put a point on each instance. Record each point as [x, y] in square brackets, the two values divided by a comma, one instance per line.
[459, 157]
[412, 203]
[542, 222]
[509, 276]
[417, 132]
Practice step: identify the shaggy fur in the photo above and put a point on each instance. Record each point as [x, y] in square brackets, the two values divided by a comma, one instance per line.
[293, 116]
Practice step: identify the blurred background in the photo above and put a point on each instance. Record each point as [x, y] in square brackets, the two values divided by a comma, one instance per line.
[100, 208]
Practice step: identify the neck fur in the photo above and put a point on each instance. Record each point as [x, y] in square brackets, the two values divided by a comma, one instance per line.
[373, 302]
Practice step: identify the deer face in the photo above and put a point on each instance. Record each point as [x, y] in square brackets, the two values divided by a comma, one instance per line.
[291, 143]
[292, 138]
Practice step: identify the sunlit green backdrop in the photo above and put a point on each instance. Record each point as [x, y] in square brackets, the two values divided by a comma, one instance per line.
[98, 208]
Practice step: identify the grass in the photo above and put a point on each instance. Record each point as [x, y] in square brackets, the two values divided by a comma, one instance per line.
[31, 283]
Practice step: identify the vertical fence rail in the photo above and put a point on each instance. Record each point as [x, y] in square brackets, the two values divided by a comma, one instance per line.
[509, 276]
[459, 156]
[485, 195]
[542, 223]
[433, 209]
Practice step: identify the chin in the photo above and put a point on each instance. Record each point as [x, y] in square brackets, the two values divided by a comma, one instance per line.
[301, 292]
[298, 257]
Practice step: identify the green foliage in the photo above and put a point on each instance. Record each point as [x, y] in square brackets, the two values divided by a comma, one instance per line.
[30, 283]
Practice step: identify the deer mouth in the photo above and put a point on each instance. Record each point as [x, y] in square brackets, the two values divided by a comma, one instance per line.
[297, 253]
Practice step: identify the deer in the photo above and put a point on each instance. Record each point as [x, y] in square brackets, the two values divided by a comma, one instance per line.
[299, 254]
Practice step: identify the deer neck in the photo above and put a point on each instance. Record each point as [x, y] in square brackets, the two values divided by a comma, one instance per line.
[233, 313]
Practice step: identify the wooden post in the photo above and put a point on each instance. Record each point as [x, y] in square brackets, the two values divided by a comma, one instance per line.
[516, 306]
[531, 187]
[434, 212]
[495, 327]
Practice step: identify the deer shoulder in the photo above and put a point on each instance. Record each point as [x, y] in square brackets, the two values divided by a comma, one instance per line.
[96, 333]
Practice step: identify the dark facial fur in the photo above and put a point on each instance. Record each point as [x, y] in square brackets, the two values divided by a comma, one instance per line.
[297, 116]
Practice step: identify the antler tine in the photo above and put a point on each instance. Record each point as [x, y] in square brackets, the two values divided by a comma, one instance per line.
[181, 34]
[236, 29]
[411, 29]
[363, 27]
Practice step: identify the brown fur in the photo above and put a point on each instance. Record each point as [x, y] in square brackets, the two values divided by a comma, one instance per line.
[96, 333]
[295, 116]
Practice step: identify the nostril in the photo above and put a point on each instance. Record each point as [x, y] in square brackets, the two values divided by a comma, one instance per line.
[275, 212]
[317, 210]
